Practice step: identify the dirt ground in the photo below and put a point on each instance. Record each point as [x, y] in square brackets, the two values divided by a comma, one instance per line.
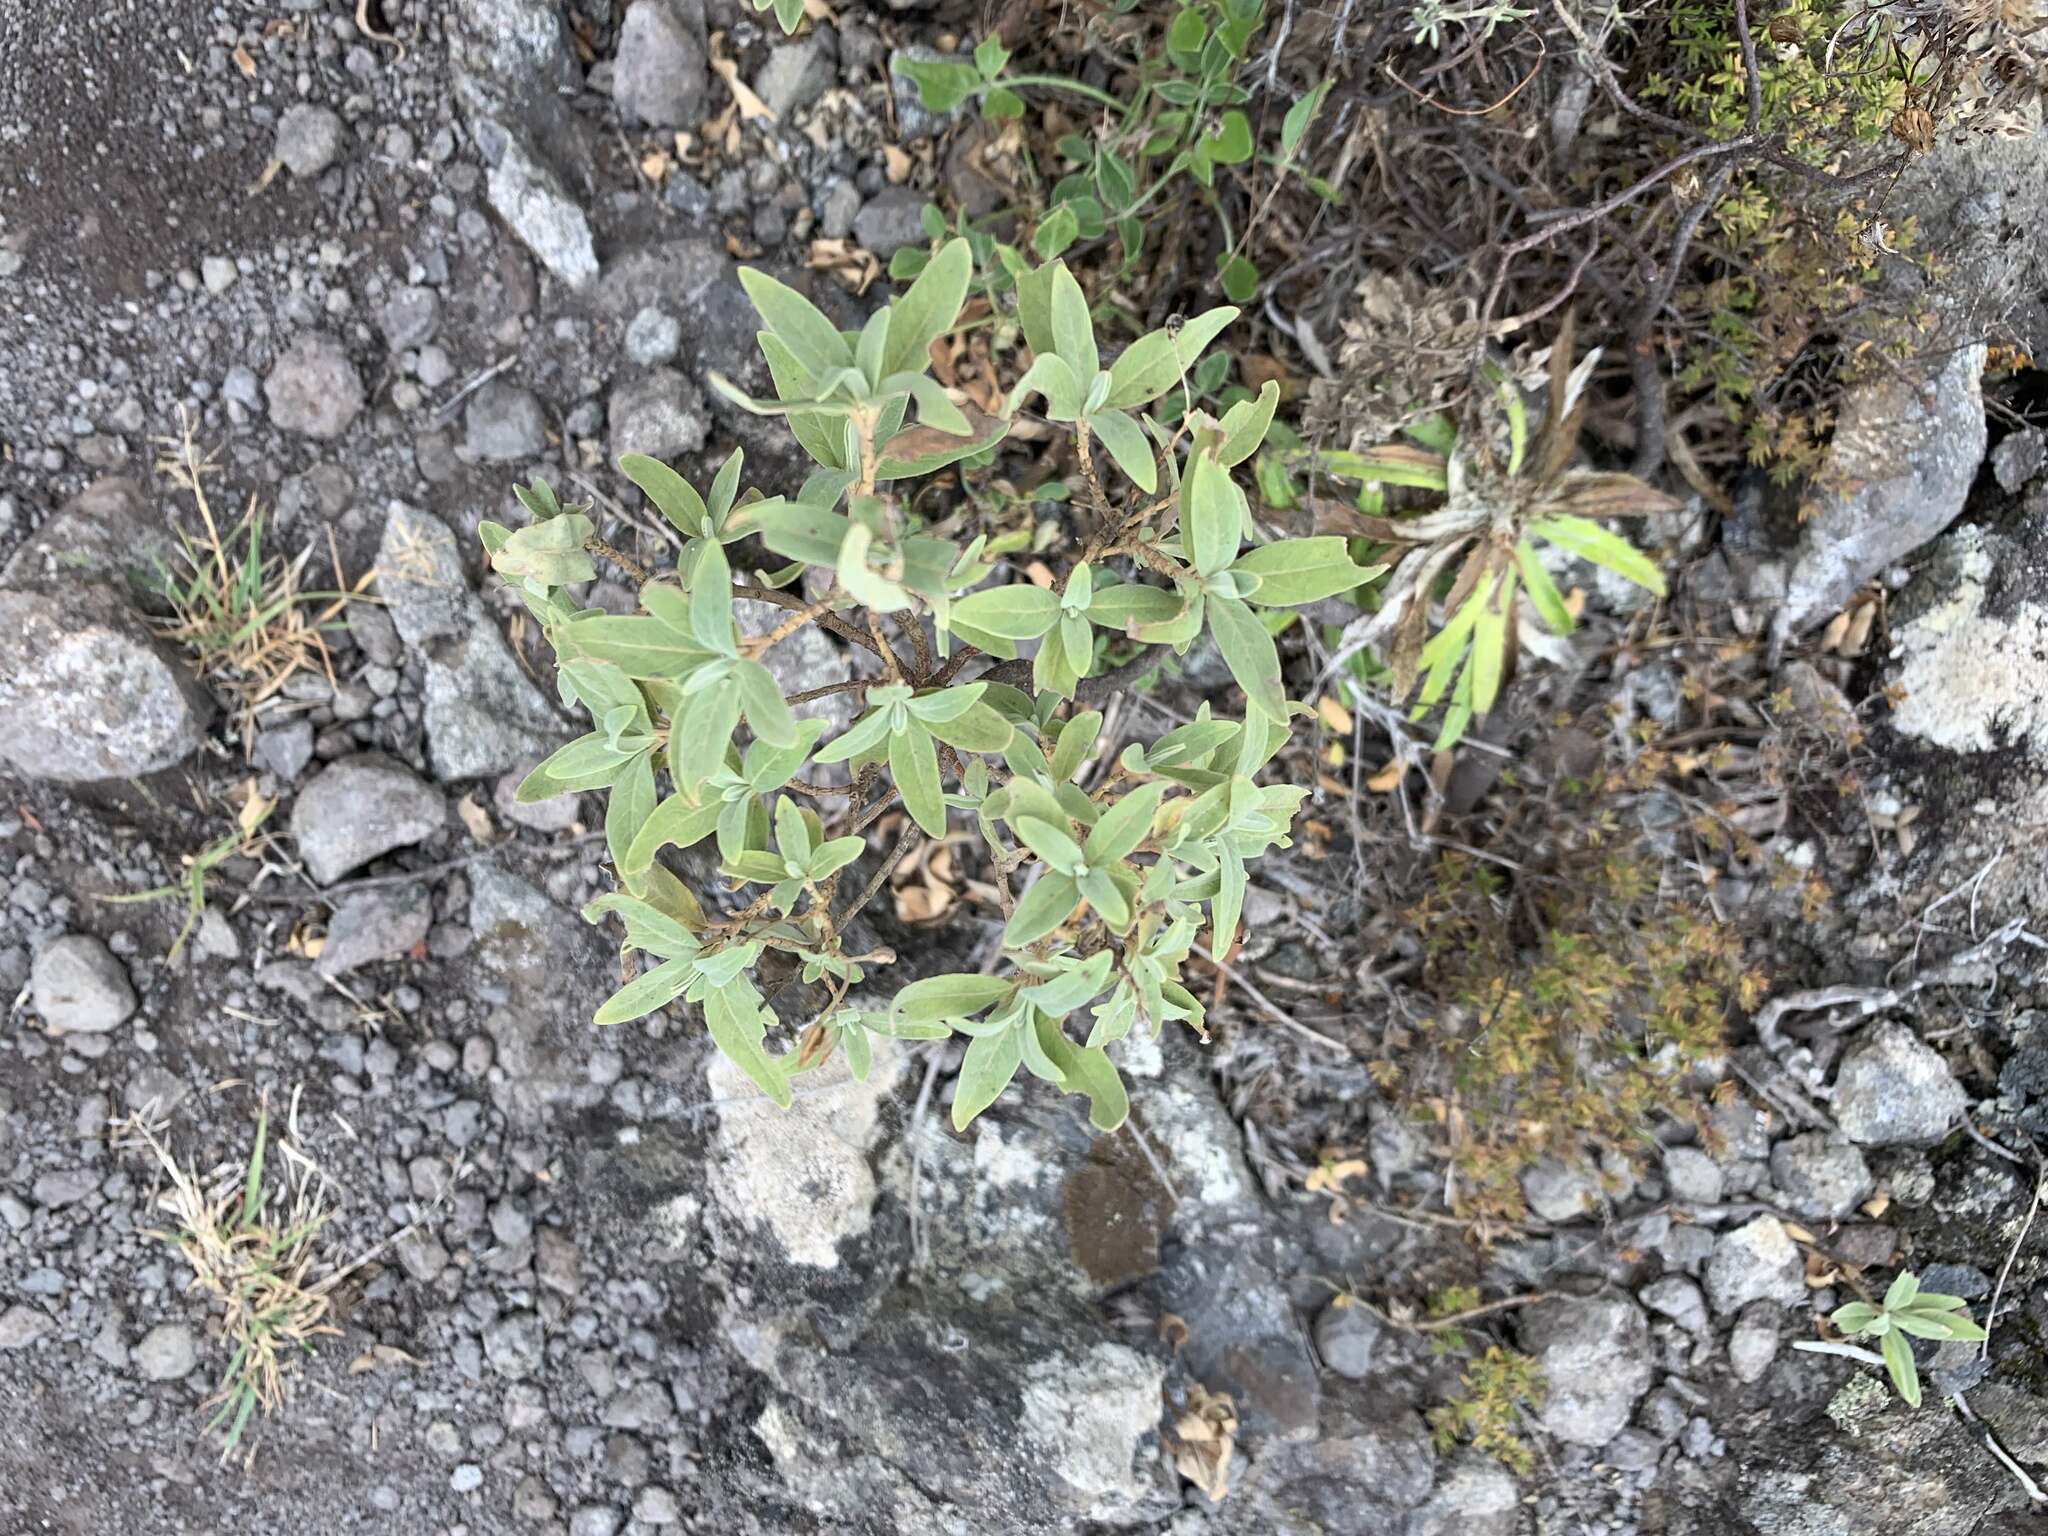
[591, 1286]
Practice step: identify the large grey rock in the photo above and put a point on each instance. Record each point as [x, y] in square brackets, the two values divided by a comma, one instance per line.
[1821, 1176]
[1558, 1191]
[1899, 469]
[1756, 1262]
[801, 1175]
[660, 414]
[549, 972]
[660, 77]
[22, 1326]
[313, 388]
[375, 925]
[514, 1344]
[503, 424]
[1595, 1355]
[410, 317]
[361, 807]
[79, 987]
[87, 693]
[1348, 1340]
[483, 714]
[538, 206]
[1894, 1090]
[1372, 1463]
[1970, 634]
[972, 1417]
[108, 532]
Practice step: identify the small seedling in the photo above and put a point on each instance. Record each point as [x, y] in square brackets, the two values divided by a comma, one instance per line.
[1505, 490]
[197, 866]
[1906, 1311]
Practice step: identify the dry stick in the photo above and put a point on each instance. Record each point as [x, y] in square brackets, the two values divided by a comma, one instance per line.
[781, 599]
[1271, 1009]
[620, 558]
[1649, 381]
[2005, 1271]
[849, 686]
[904, 843]
[761, 644]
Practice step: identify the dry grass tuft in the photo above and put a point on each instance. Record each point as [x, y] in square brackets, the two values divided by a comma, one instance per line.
[256, 1252]
[242, 611]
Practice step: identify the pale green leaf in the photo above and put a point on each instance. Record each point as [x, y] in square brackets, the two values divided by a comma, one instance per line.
[987, 1069]
[1248, 650]
[914, 764]
[1128, 445]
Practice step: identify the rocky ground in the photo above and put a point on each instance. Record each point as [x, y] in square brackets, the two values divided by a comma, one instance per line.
[383, 259]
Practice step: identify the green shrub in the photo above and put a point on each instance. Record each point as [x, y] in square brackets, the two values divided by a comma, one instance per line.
[1104, 879]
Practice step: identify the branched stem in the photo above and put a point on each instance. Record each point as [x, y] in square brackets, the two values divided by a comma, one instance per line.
[625, 562]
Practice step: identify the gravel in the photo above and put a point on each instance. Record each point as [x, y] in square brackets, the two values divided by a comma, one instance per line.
[890, 220]
[1595, 1355]
[375, 925]
[359, 808]
[1754, 1263]
[87, 693]
[653, 337]
[1347, 1339]
[660, 414]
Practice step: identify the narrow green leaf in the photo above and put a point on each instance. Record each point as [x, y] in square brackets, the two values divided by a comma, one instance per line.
[1043, 908]
[954, 996]
[1588, 540]
[1124, 825]
[761, 699]
[631, 803]
[978, 728]
[1295, 571]
[1155, 362]
[585, 763]
[1249, 652]
[812, 339]
[646, 992]
[1212, 517]
[987, 1069]
[733, 1018]
[914, 764]
[1018, 611]
[1072, 328]
[711, 601]
[1128, 445]
[1898, 1360]
[1052, 844]
[929, 308]
[678, 820]
[1543, 593]
[671, 494]
[1246, 423]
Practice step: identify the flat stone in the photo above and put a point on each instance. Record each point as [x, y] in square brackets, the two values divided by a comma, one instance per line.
[79, 987]
[1821, 1176]
[375, 925]
[167, 1352]
[1595, 1355]
[309, 139]
[358, 809]
[313, 388]
[660, 76]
